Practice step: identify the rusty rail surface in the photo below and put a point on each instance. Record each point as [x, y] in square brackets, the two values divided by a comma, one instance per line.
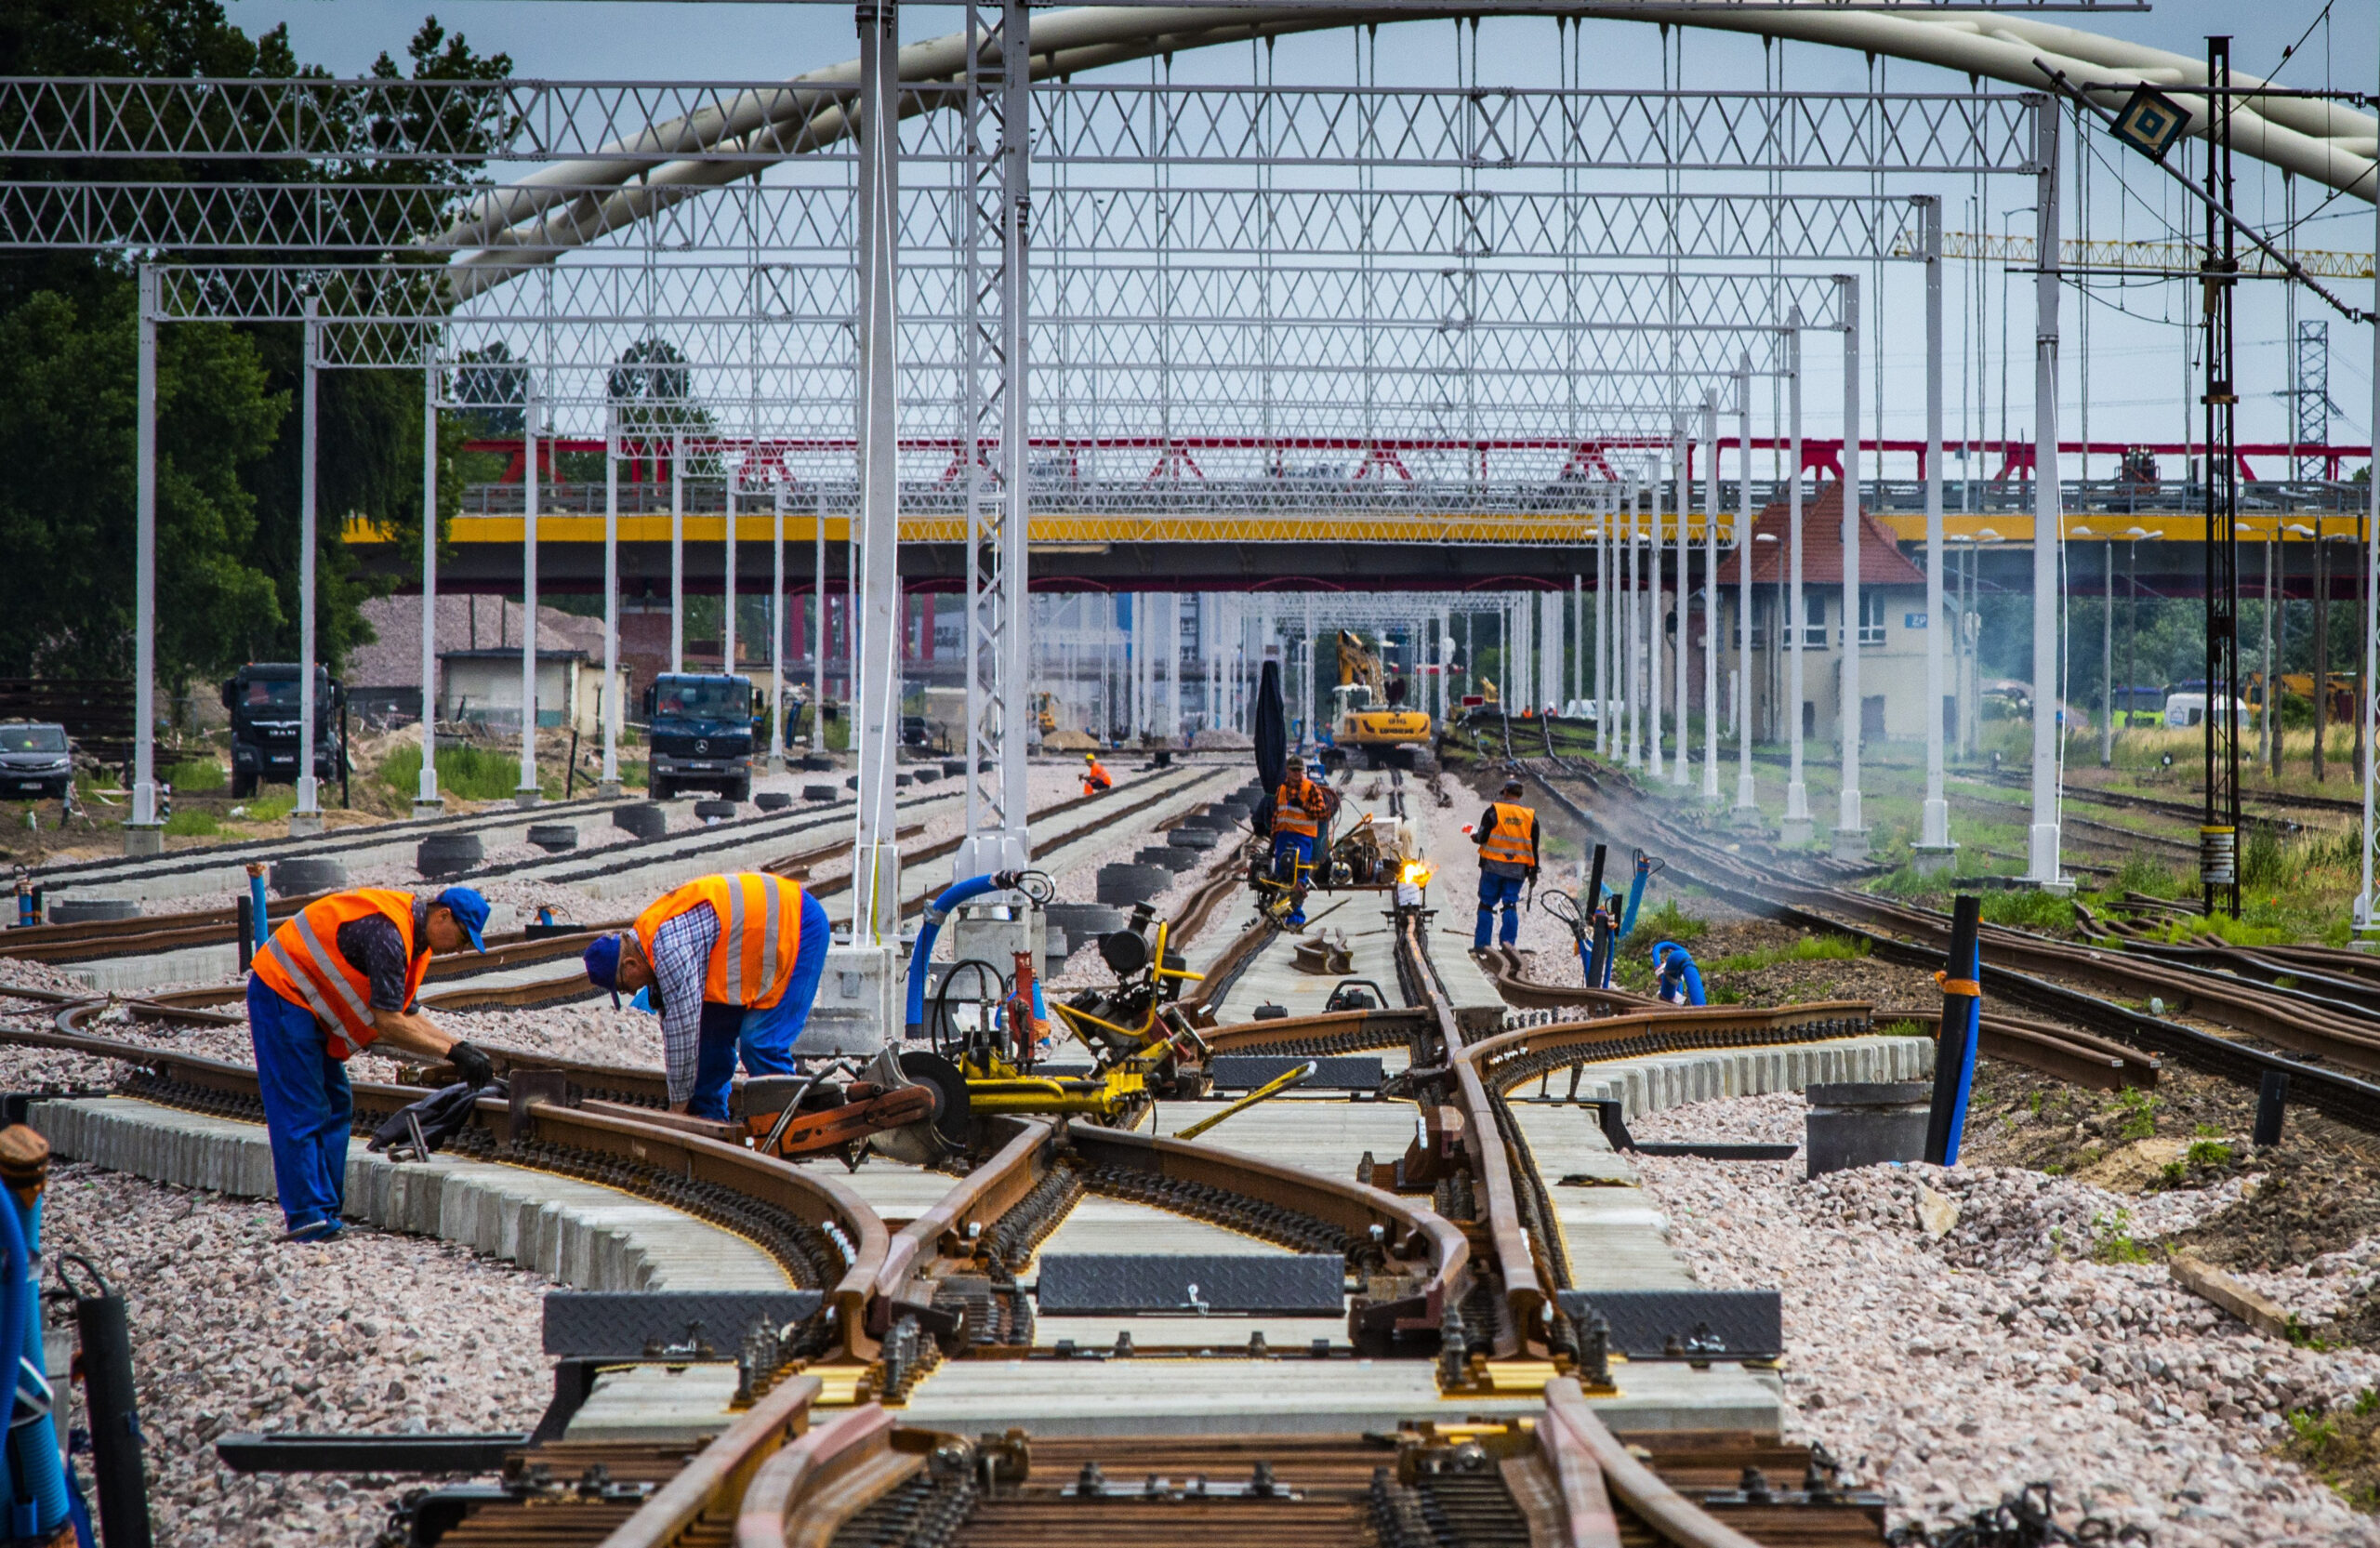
[1492, 1162]
[1509, 1058]
[821, 1479]
[979, 1199]
[703, 1497]
[1330, 1032]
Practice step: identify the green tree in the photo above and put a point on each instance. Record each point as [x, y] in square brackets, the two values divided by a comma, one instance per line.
[66, 512]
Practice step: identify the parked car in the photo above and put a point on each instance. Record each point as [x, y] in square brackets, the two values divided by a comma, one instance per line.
[36, 758]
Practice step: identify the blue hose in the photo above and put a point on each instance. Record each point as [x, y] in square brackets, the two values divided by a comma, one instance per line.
[1681, 981]
[35, 1480]
[930, 929]
[1635, 895]
[257, 916]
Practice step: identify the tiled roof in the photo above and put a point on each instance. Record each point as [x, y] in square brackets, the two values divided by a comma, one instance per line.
[393, 660]
[1881, 561]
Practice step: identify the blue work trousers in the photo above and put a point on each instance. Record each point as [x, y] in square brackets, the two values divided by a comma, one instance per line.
[1495, 890]
[763, 1038]
[1292, 863]
[306, 1106]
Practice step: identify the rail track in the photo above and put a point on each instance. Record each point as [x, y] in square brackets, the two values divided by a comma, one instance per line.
[2336, 1039]
[1456, 1256]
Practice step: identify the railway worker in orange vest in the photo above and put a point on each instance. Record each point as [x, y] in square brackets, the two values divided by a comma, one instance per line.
[1301, 807]
[733, 964]
[1094, 777]
[339, 976]
[1507, 838]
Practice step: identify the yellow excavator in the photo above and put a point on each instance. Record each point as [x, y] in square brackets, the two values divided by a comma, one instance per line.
[1368, 717]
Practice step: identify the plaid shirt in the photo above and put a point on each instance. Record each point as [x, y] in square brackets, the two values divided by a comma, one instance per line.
[682, 949]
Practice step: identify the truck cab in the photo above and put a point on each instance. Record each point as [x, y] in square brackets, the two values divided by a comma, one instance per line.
[262, 697]
[701, 726]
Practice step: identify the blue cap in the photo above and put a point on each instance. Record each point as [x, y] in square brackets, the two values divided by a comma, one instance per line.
[470, 910]
[603, 959]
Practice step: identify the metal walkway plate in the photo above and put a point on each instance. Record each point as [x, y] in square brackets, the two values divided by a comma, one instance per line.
[1244, 1072]
[1684, 1324]
[634, 1325]
[1273, 1284]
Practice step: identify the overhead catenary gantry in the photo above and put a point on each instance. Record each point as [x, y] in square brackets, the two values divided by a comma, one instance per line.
[679, 148]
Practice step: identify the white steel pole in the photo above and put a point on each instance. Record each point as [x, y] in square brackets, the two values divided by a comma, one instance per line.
[818, 623]
[142, 835]
[1933, 825]
[609, 696]
[308, 817]
[678, 553]
[425, 799]
[2364, 900]
[1652, 604]
[1798, 824]
[525, 794]
[1682, 487]
[1747, 793]
[1710, 601]
[876, 918]
[776, 630]
[727, 599]
[1851, 827]
[1633, 690]
[2044, 868]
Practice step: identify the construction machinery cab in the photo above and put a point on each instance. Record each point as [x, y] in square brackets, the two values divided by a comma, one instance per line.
[264, 700]
[701, 727]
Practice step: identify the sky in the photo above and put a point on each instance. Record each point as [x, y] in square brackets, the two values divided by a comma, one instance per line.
[2136, 365]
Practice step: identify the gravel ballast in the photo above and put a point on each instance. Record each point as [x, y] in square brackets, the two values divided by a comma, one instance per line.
[233, 1331]
[1952, 1370]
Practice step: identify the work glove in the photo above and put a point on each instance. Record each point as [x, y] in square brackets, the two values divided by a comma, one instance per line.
[472, 1064]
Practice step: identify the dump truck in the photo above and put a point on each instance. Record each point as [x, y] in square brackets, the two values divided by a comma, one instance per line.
[262, 697]
[702, 726]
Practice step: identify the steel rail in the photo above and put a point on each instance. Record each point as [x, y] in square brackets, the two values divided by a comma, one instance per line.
[977, 1199]
[1509, 1058]
[1525, 1297]
[1660, 1507]
[784, 1497]
[2351, 1101]
[1330, 1032]
[721, 1471]
[1353, 1208]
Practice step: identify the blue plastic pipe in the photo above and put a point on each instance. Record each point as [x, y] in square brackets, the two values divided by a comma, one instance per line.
[1635, 894]
[1681, 980]
[34, 1491]
[257, 916]
[930, 929]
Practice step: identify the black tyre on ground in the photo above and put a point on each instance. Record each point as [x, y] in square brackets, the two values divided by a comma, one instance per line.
[707, 810]
[554, 837]
[1123, 884]
[646, 822]
[443, 854]
[303, 878]
[90, 910]
[773, 800]
[819, 792]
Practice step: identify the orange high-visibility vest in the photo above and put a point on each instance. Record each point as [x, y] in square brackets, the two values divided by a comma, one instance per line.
[1513, 838]
[301, 963]
[1290, 814]
[1095, 778]
[760, 934]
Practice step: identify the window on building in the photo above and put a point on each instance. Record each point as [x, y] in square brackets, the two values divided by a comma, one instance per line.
[1872, 617]
[1814, 635]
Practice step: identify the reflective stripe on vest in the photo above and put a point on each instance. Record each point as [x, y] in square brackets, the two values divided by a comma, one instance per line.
[1289, 814]
[301, 963]
[1513, 840]
[760, 934]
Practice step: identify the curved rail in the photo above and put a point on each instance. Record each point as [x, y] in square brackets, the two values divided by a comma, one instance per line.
[721, 1471]
[1509, 1058]
[978, 1199]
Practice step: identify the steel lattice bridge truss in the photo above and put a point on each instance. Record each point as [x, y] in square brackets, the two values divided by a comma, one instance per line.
[1242, 301]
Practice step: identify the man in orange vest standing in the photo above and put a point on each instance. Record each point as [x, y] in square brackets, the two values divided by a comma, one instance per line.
[1095, 778]
[340, 976]
[1300, 808]
[1507, 838]
[733, 964]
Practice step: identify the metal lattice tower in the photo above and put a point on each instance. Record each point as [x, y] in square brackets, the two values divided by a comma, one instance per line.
[2310, 407]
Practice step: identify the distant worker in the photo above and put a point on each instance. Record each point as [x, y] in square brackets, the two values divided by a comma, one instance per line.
[733, 964]
[1301, 807]
[1094, 777]
[1507, 838]
[340, 976]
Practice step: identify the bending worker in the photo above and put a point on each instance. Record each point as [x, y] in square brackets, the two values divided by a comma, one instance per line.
[1507, 838]
[733, 964]
[1300, 808]
[341, 975]
[1094, 777]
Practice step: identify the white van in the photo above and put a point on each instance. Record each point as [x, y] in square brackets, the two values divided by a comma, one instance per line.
[2189, 710]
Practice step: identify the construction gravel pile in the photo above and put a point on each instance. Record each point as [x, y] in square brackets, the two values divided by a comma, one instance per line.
[233, 1331]
[2040, 1337]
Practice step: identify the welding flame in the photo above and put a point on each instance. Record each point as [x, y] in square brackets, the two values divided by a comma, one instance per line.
[1415, 873]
